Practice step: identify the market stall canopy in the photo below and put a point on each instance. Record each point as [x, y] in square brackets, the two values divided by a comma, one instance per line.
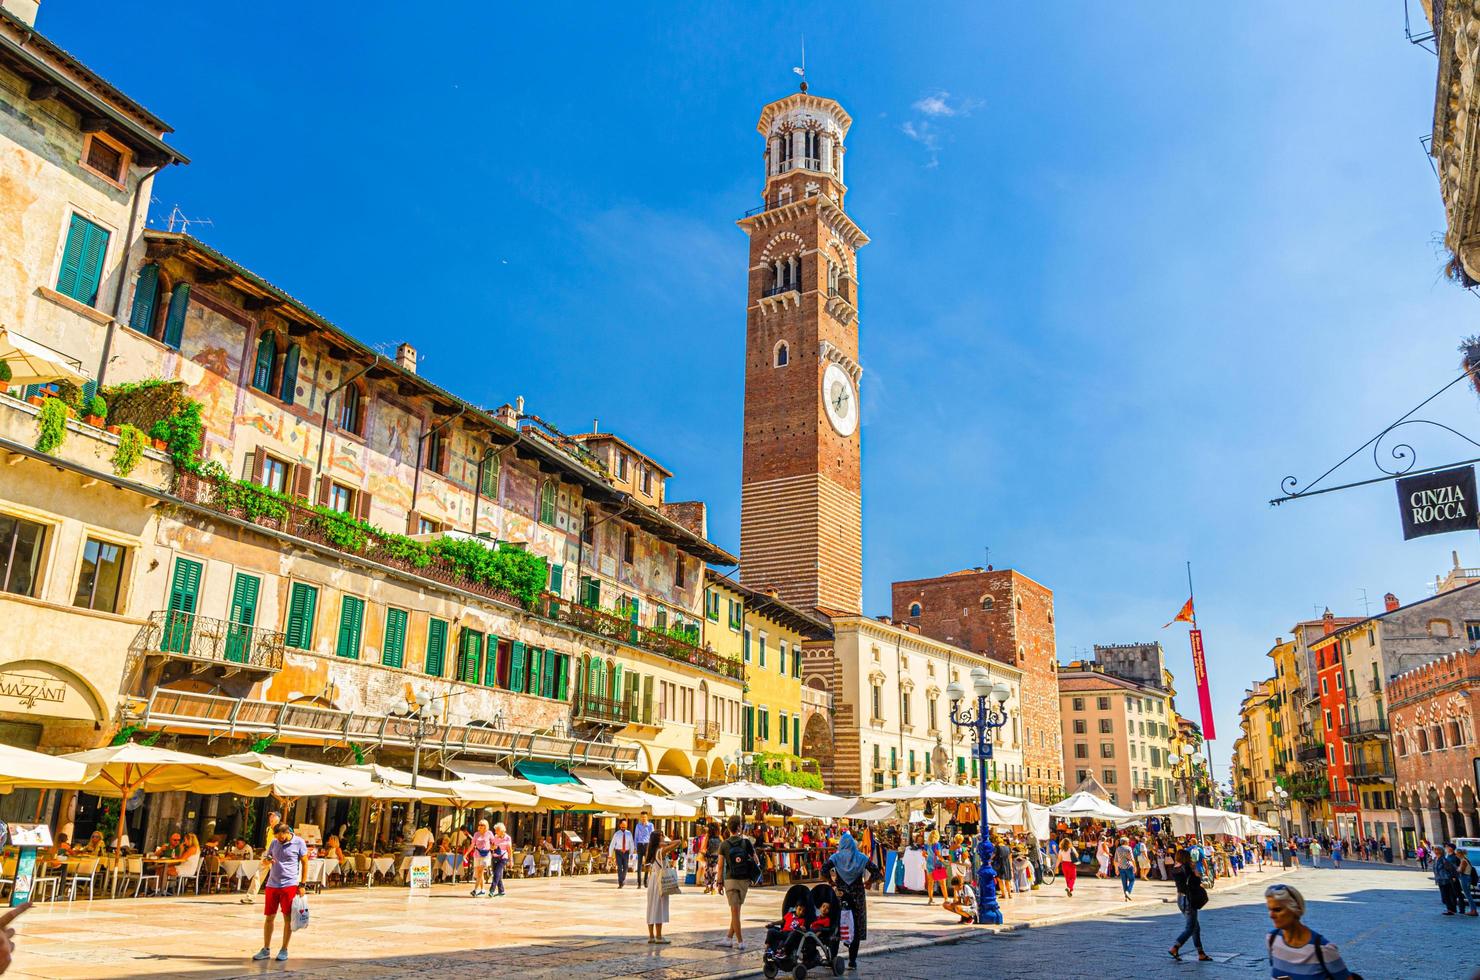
[36, 770]
[935, 789]
[122, 770]
[613, 794]
[32, 362]
[400, 777]
[1205, 820]
[292, 779]
[674, 785]
[482, 772]
[1085, 805]
[1092, 786]
[745, 790]
[849, 807]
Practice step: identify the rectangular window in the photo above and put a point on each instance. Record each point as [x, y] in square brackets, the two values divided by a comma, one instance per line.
[796, 662]
[1079, 704]
[557, 579]
[747, 740]
[341, 498]
[243, 616]
[680, 576]
[1340, 682]
[302, 602]
[761, 651]
[82, 261]
[1102, 703]
[351, 627]
[796, 734]
[1080, 726]
[1107, 750]
[591, 592]
[785, 729]
[931, 713]
[101, 580]
[393, 650]
[1324, 689]
[711, 605]
[1081, 750]
[1106, 726]
[734, 615]
[745, 646]
[488, 482]
[781, 657]
[180, 621]
[629, 546]
[105, 158]
[893, 759]
[1109, 775]
[436, 646]
[274, 474]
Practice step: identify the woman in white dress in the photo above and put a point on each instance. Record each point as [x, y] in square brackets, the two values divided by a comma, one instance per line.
[656, 857]
[1102, 856]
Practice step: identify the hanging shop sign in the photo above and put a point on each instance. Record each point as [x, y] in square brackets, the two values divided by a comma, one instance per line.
[1437, 503]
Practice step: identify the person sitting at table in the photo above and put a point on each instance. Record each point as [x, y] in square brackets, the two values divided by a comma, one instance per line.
[332, 850]
[239, 850]
[189, 849]
[95, 845]
[169, 851]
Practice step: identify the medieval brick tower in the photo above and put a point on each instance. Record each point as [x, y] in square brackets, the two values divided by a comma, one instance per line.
[801, 512]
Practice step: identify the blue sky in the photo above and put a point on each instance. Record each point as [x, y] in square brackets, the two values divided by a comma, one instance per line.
[1128, 269]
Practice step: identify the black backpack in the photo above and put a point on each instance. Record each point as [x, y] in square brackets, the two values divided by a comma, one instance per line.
[1319, 941]
[740, 863]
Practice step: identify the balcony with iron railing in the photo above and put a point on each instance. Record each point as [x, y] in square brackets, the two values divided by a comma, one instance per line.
[706, 735]
[1343, 799]
[609, 711]
[1371, 770]
[1363, 730]
[660, 642]
[205, 642]
[1310, 753]
[776, 289]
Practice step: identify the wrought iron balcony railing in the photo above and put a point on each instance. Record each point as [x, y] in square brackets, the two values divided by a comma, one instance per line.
[706, 734]
[201, 638]
[1374, 728]
[664, 644]
[1311, 753]
[591, 707]
[782, 287]
[1370, 770]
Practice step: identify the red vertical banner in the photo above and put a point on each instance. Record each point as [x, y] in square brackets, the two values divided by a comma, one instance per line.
[1204, 695]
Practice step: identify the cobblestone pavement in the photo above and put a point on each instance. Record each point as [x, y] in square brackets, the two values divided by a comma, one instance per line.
[567, 927]
[1386, 920]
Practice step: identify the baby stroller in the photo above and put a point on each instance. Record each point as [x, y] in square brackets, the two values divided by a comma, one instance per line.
[803, 949]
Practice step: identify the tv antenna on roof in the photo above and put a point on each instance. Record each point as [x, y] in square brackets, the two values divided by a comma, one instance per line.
[802, 69]
[177, 216]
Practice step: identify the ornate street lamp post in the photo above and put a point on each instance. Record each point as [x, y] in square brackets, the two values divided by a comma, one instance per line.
[1279, 798]
[1188, 751]
[983, 721]
[412, 720]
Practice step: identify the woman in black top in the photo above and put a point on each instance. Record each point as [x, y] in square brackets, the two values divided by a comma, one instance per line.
[1191, 896]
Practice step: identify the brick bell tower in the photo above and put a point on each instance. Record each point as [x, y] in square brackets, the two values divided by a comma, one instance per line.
[801, 511]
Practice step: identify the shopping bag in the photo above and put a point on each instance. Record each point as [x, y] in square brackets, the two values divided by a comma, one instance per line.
[669, 882]
[300, 913]
[845, 927]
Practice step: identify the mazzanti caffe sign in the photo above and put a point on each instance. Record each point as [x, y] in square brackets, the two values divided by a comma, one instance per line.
[1435, 503]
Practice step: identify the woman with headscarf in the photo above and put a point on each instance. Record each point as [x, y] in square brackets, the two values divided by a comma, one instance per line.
[1296, 950]
[852, 872]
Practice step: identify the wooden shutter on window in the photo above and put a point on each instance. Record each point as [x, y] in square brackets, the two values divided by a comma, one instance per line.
[141, 317]
[351, 626]
[436, 646]
[647, 700]
[302, 481]
[299, 628]
[362, 505]
[618, 693]
[490, 665]
[413, 522]
[174, 320]
[82, 261]
[562, 677]
[516, 666]
[633, 697]
[324, 485]
[393, 649]
[252, 466]
[288, 388]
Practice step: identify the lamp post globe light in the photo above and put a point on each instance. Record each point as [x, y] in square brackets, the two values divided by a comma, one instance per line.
[982, 720]
[1188, 752]
[411, 720]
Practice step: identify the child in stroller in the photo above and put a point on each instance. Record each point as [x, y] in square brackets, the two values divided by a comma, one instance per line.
[807, 935]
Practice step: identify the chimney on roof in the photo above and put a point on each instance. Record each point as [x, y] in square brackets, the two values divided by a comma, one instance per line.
[22, 10]
[595, 426]
[1390, 602]
[406, 358]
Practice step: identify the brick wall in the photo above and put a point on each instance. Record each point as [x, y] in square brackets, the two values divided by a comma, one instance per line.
[1008, 617]
[1435, 717]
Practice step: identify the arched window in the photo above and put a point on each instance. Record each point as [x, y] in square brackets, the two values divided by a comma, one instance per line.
[352, 410]
[987, 602]
[914, 609]
[1423, 740]
[266, 360]
[547, 502]
[783, 354]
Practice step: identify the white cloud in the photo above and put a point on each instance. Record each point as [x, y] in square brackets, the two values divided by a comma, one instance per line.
[931, 110]
[939, 104]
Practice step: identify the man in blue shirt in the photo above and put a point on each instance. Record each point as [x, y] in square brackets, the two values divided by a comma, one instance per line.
[286, 862]
[641, 834]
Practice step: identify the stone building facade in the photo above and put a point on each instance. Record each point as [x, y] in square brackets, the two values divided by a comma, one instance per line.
[801, 512]
[891, 722]
[1144, 663]
[1004, 615]
[1435, 718]
[1454, 145]
[1119, 731]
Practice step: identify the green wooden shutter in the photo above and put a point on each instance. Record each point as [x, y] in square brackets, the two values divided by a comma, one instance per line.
[796, 735]
[647, 700]
[243, 617]
[489, 485]
[562, 677]
[516, 666]
[618, 692]
[470, 651]
[557, 579]
[436, 646]
[141, 317]
[393, 650]
[180, 617]
[550, 686]
[82, 261]
[302, 601]
[749, 741]
[490, 665]
[174, 319]
[288, 388]
[351, 626]
[262, 366]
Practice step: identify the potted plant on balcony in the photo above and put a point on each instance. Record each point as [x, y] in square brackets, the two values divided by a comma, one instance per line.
[96, 414]
[51, 424]
[5, 374]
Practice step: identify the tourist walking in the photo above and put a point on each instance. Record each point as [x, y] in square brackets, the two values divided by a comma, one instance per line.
[711, 844]
[1002, 864]
[656, 860]
[852, 873]
[1468, 880]
[1295, 950]
[273, 819]
[1125, 867]
[503, 853]
[1336, 853]
[1446, 876]
[286, 863]
[1102, 858]
[741, 868]
[1315, 853]
[641, 834]
[1068, 863]
[480, 855]
[1424, 853]
[620, 850]
[935, 868]
[1191, 897]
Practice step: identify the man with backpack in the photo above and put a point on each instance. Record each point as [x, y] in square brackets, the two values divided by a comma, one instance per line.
[741, 869]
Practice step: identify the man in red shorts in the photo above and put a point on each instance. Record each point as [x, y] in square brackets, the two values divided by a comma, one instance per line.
[286, 862]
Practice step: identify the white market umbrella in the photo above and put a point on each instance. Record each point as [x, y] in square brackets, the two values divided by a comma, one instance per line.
[32, 362]
[851, 808]
[36, 770]
[300, 777]
[935, 789]
[122, 770]
[1084, 805]
[744, 789]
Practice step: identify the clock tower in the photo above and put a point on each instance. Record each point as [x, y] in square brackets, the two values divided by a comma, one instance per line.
[801, 511]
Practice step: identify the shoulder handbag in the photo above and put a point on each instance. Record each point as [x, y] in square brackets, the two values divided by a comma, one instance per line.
[669, 882]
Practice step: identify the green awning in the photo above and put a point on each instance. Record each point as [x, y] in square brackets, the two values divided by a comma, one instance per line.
[543, 772]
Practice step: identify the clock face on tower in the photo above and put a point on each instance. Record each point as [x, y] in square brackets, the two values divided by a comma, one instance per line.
[840, 400]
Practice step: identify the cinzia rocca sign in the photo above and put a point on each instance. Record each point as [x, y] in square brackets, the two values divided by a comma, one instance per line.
[1434, 503]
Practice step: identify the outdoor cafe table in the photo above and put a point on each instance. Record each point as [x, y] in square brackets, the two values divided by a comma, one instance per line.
[239, 869]
[450, 864]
